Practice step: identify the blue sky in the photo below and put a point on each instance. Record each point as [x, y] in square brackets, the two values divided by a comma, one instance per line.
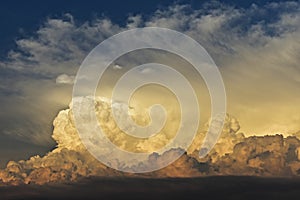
[255, 44]
[20, 18]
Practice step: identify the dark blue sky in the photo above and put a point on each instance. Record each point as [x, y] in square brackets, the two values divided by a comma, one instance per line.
[21, 18]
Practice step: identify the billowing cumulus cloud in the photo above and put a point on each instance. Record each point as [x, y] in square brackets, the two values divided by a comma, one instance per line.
[234, 154]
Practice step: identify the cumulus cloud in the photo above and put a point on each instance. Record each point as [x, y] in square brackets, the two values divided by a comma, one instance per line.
[234, 154]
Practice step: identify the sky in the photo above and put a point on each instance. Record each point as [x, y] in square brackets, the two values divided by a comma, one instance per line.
[256, 45]
[22, 19]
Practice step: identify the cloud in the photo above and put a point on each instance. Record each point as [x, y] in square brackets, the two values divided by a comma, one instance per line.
[234, 154]
[65, 79]
[116, 67]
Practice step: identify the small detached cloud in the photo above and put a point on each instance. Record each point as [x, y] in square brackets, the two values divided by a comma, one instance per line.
[65, 79]
[117, 67]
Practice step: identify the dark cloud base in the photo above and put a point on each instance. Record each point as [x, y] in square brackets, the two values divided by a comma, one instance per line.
[218, 187]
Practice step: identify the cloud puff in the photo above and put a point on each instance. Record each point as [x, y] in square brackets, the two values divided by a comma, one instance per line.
[117, 67]
[65, 79]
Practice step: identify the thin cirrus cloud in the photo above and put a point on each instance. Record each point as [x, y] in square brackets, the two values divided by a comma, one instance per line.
[257, 50]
